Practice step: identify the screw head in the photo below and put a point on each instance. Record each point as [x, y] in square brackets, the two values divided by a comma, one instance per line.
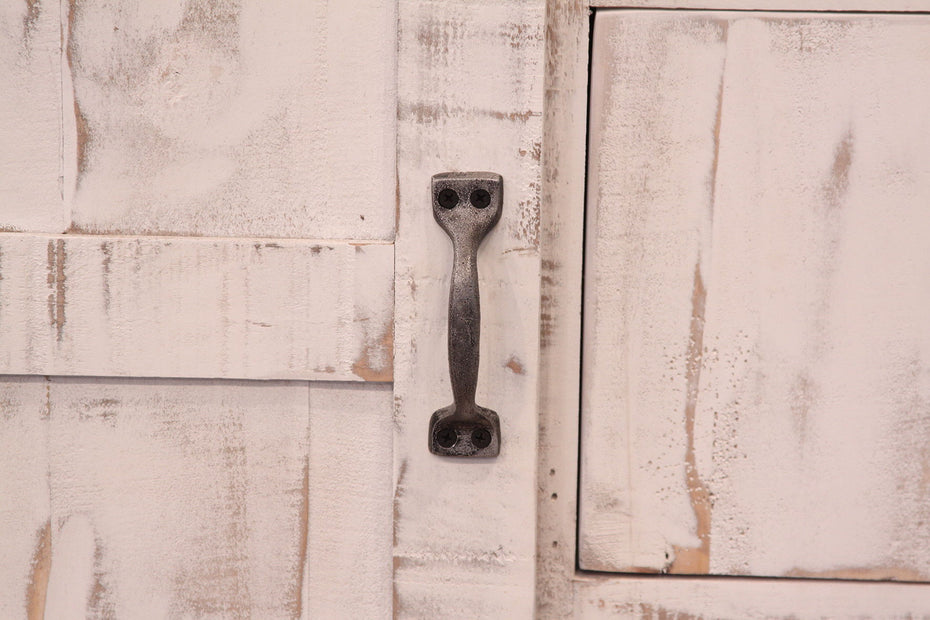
[448, 198]
[446, 437]
[480, 198]
[481, 438]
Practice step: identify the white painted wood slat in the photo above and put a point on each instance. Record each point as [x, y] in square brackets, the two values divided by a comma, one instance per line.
[657, 598]
[235, 119]
[470, 84]
[30, 117]
[151, 498]
[756, 336]
[184, 307]
[878, 6]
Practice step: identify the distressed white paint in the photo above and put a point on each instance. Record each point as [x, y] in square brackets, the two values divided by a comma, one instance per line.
[250, 118]
[652, 598]
[561, 249]
[883, 6]
[30, 117]
[755, 382]
[184, 307]
[470, 98]
[158, 498]
[24, 499]
[177, 497]
[349, 550]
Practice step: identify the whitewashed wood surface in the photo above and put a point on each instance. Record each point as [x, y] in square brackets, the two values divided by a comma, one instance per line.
[879, 6]
[186, 307]
[470, 88]
[140, 498]
[660, 598]
[756, 335]
[30, 117]
[562, 251]
[220, 119]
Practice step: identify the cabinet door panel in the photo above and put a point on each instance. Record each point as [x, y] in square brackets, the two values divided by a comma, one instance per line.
[756, 382]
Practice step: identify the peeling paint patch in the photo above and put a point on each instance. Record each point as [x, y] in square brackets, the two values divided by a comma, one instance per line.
[298, 596]
[515, 366]
[37, 588]
[695, 560]
[56, 283]
[429, 113]
[30, 21]
[377, 360]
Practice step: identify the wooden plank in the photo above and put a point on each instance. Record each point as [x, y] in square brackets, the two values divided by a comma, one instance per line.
[87, 305]
[226, 118]
[470, 89]
[25, 528]
[755, 345]
[561, 247]
[878, 6]
[175, 498]
[348, 570]
[747, 599]
[30, 117]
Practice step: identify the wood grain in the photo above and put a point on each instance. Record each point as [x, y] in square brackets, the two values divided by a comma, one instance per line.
[117, 306]
[470, 89]
[755, 381]
[349, 572]
[227, 118]
[878, 6]
[562, 251]
[176, 497]
[24, 497]
[651, 598]
[30, 117]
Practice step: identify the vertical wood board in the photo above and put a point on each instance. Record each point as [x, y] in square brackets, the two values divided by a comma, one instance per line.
[230, 118]
[470, 93]
[88, 305]
[349, 572]
[25, 525]
[177, 497]
[755, 382]
[561, 250]
[30, 117]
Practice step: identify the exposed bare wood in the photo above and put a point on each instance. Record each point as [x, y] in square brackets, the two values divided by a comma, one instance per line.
[755, 387]
[349, 554]
[88, 305]
[658, 598]
[230, 118]
[30, 117]
[470, 98]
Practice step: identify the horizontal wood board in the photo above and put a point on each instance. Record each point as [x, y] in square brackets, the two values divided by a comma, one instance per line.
[219, 118]
[755, 380]
[658, 598]
[164, 498]
[185, 307]
[878, 6]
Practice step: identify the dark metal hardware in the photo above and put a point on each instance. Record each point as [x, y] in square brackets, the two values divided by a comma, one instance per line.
[467, 205]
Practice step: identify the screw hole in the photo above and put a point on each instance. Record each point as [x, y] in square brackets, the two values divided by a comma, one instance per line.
[480, 198]
[448, 198]
[481, 438]
[446, 437]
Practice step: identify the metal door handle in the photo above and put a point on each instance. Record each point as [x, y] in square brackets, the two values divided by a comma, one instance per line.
[467, 205]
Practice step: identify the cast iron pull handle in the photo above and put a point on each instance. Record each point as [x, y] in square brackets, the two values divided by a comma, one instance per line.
[467, 205]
